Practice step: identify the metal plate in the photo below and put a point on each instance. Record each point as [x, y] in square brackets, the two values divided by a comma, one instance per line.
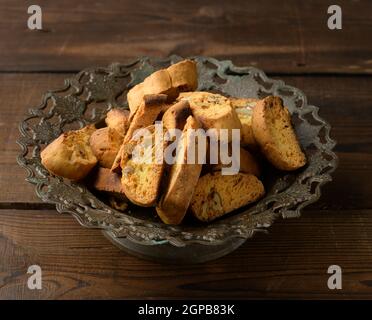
[87, 97]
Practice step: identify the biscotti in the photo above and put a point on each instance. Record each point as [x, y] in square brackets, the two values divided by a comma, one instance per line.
[273, 131]
[248, 163]
[70, 155]
[146, 114]
[118, 119]
[213, 111]
[175, 117]
[178, 77]
[141, 174]
[105, 144]
[102, 179]
[216, 194]
[244, 109]
[183, 178]
[184, 75]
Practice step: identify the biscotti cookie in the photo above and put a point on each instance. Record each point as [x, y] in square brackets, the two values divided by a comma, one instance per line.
[141, 180]
[105, 144]
[244, 109]
[213, 111]
[273, 131]
[216, 194]
[248, 163]
[145, 115]
[70, 155]
[183, 178]
[118, 119]
[181, 76]
[102, 179]
[184, 75]
[175, 117]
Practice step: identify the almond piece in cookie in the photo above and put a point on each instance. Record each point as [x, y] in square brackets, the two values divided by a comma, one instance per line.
[70, 155]
[105, 144]
[216, 194]
[273, 131]
[213, 111]
[183, 178]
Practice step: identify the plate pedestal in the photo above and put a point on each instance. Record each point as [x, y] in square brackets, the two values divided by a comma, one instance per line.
[167, 253]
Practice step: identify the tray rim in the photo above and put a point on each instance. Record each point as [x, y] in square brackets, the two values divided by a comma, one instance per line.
[137, 230]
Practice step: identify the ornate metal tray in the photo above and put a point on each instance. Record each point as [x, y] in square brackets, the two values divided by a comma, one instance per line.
[86, 98]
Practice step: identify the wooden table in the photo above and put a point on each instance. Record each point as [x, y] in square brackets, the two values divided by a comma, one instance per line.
[290, 41]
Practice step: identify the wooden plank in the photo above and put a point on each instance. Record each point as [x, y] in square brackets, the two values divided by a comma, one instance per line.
[289, 262]
[290, 37]
[19, 93]
[345, 102]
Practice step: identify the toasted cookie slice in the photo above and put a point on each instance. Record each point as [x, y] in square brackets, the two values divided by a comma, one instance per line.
[135, 97]
[70, 155]
[184, 75]
[105, 144]
[142, 169]
[183, 178]
[273, 131]
[181, 76]
[248, 164]
[213, 111]
[102, 179]
[157, 83]
[216, 194]
[244, 109]
[118, 119]
[146, 114]
[175, 117]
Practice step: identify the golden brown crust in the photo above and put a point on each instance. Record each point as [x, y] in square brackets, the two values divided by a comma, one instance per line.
[244, 109]
[141, 181]
[248, 164]
[118, 119]
[183, 178]
[70, 155]
[212, 111]
[135, 97]
[273, 131]
[217, 194]
[145, 115]
[178, 77]
[175, 117]
[184, 75]
[105, 144]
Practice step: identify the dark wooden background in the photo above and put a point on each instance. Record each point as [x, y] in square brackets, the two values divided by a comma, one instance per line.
[289, 40]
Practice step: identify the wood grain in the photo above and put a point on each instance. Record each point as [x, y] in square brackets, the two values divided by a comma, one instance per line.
[291, 261]
[288, 38]
[342, 101]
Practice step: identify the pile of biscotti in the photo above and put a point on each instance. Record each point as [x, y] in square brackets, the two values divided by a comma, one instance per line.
[103, 157]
